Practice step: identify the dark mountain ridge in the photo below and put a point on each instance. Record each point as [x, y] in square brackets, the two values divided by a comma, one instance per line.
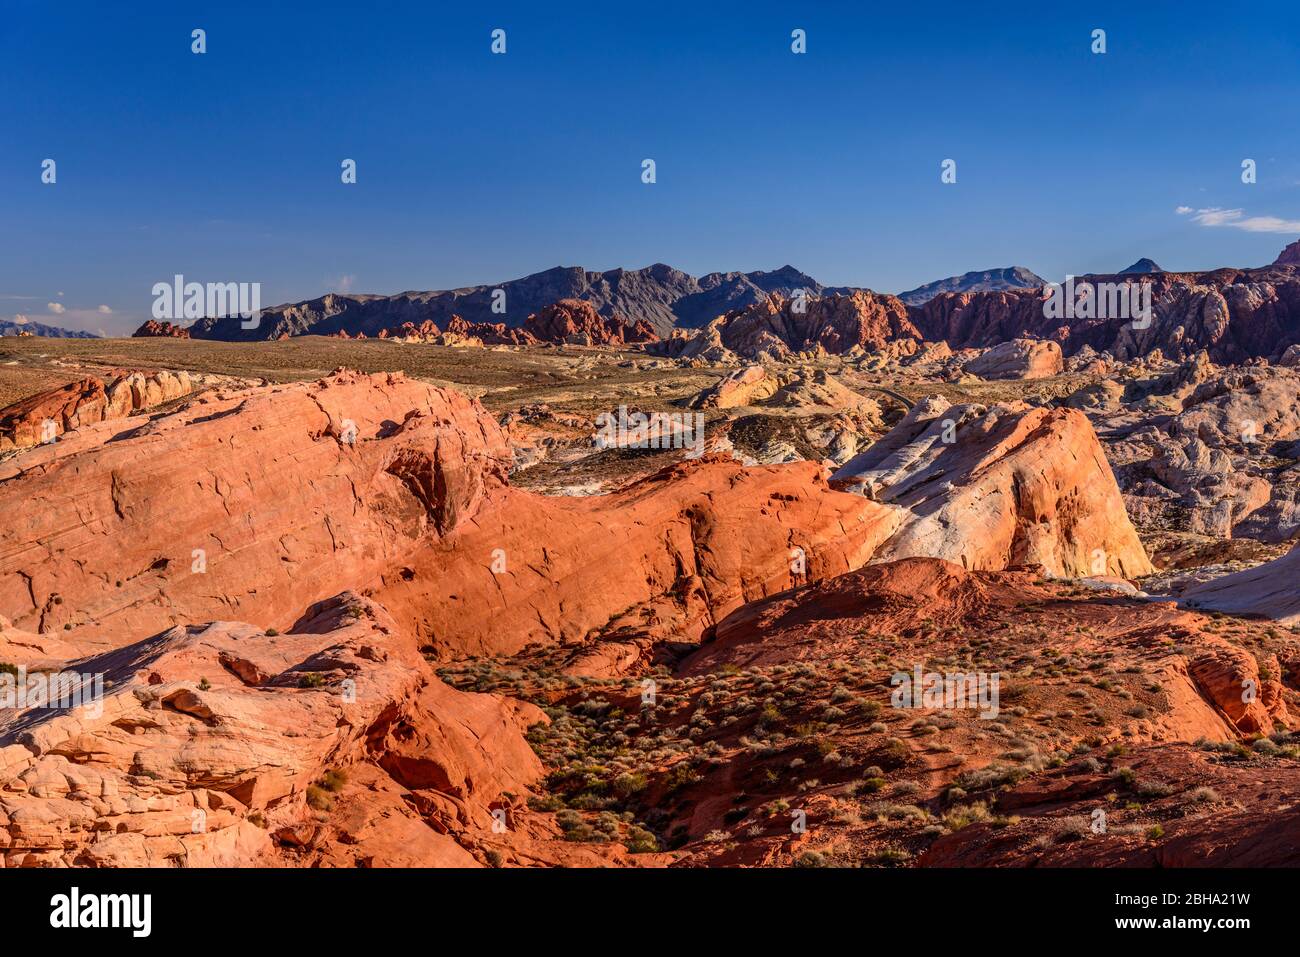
[985, 280]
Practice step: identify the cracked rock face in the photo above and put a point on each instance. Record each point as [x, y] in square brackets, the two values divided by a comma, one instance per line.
[191, 761]
[991, 487]
[1221, 463]
[248, 504]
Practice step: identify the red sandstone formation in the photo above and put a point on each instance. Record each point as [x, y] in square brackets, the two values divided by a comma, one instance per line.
[47, 415]
[576, 321]
[1232, 314]
[1289, 256]
[1000, 486]
[41, 417]
[668, 555]
[225, 745]
[153, 328]
[244, 504]
[369, 519]
[396, 467]
[779, 327]
[489, 333]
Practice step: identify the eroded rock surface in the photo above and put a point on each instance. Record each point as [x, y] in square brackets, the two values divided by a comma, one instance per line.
[991, 487]
[225, 745]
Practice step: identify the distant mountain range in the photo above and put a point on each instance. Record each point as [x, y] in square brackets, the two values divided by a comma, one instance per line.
[986, 280]
[664, 297]
[660, 295]
[9, 327]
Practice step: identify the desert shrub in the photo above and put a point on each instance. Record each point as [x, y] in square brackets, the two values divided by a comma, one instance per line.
[333, 779]
[869, 785]
[640, 841]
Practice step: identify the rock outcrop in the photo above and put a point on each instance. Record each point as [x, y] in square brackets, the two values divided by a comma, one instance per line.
[1290, 256]
[567, 322]
[992, 487]
[810, 390]
[668, 555]
[1018, 359]
[152, 328]
[246, 504]
[778, 328]
[1233, 314]
[41, 417]
[575, 322]
[252, 504]
[1225, 463]
[747, 386]
[1271, 590]
[44, 417]
[225, 745]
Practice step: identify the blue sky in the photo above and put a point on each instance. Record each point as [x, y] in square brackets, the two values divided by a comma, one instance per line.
[478, 168]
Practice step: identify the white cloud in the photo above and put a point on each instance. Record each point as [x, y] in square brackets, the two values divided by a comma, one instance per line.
[1183, 210]
[1237, 219]
[55, 307]
[21, 319]
[341, 284]
[104, 311]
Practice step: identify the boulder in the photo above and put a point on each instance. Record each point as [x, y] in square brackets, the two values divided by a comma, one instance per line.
[993, 487]
[1018, 359]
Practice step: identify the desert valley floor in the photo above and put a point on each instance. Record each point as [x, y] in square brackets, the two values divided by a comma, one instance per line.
[384, 602]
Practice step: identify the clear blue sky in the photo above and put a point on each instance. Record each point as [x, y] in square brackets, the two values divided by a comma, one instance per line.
[478, 168]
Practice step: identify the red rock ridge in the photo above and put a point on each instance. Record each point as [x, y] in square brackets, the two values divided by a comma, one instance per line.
[153, 328]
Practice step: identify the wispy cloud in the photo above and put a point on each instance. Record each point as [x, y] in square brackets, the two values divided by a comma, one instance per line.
[55, 307]
[1237, 219]
[341, 284]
